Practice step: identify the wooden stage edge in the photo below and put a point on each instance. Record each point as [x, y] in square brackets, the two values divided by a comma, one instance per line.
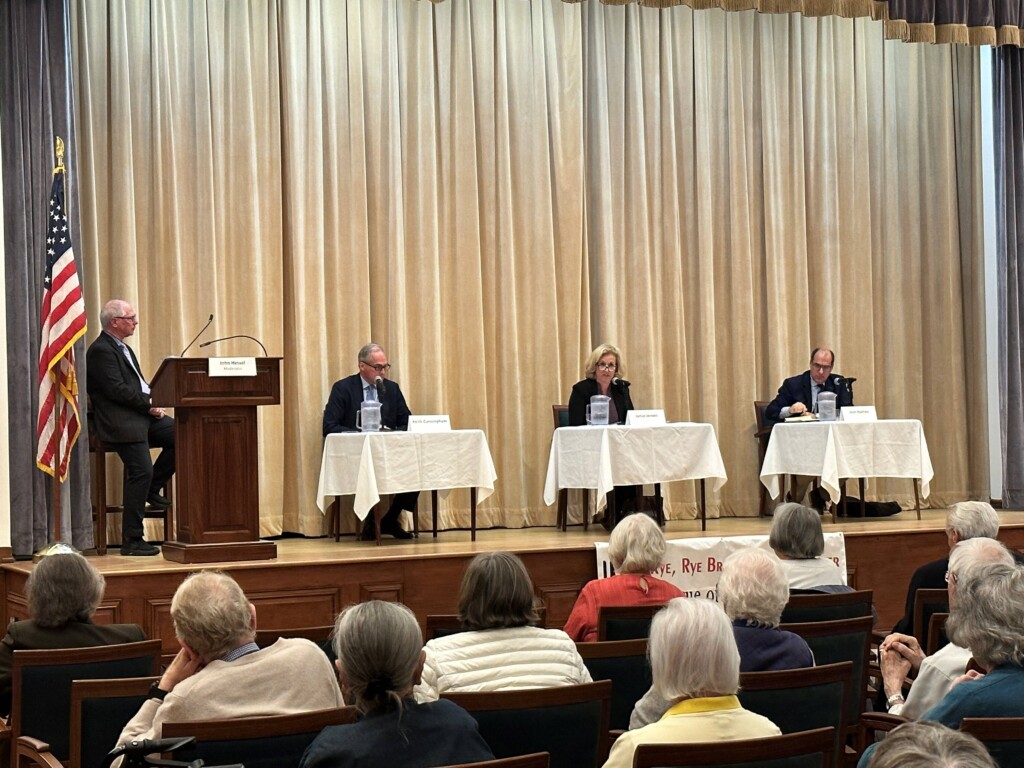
[311, 580]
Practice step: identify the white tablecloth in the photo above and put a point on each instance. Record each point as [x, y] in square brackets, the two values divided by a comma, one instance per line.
[603, 457]
[369, 464]
[837, 449]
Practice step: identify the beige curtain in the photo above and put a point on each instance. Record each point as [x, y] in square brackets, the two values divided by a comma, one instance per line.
[490, 189]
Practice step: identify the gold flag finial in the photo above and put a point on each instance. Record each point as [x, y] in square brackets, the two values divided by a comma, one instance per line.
[60, 155]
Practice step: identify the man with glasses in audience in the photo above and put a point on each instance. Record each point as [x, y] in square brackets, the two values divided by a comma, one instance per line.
[123, 417]
[347, 396]
[799, 395]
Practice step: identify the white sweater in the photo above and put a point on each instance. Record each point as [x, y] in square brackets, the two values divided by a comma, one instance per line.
[500, 660]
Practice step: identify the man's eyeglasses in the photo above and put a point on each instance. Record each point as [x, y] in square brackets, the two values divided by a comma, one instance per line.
[129, 318]
[606, 366]
[818, 367]
[950, 577]
[378, 368]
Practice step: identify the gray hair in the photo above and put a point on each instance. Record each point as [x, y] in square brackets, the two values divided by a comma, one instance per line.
[211, 614]
[973, 519]
[978, 551]
[987, 617]
[590, 366]
[927, 744]
[753, 587]
[796, 532]
[636, 545]
[111, 311]
[367, 350]
[378, 645]
[496, 592]
[693, 651]
[63, 588]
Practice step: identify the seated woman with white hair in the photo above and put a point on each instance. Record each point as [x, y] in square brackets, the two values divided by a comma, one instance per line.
[695, 667]
[636, 547]
[501, 649]
[753, 592]
[380, 657]
[798, 541]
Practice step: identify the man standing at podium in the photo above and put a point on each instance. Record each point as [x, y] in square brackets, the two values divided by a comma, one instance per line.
[124, 418]
[347, 395]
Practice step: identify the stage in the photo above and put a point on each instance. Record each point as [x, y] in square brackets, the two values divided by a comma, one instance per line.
[312, 579]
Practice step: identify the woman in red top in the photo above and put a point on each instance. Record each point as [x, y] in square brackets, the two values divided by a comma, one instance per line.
[635, 548]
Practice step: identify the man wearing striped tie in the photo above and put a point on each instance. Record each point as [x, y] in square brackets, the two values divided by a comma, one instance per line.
[123, 417]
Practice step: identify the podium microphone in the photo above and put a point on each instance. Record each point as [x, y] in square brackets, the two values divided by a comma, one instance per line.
[237, 336]
[378, 382]
[186, 349]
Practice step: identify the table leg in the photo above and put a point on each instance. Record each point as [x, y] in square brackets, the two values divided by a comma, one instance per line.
[860, 484]
[586, 509]
[472, 514]
[433, 506]
[917, 500]
[703, 507]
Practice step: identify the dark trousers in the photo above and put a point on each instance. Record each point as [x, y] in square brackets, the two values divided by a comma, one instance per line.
[142, 475]
[405, 500]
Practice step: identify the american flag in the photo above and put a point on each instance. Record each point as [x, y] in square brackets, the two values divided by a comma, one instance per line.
[63, 323]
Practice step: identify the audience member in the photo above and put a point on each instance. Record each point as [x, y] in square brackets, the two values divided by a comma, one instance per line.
[797, 539]
[636, 548]
[500, 649]
[930, 745]
[753, 592]
[221, 673]
[63, 592]
[899, 654]
[380, 658]
[965, 520]
[696, 667]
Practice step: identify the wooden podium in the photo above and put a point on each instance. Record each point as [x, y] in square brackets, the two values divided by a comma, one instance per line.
[217, 494]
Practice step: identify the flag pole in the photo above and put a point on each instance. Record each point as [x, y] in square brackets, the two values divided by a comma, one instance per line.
[56, 546]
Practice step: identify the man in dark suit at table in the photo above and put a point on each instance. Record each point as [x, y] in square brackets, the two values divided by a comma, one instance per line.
[347, 396]
[799, 395]
[123, 417]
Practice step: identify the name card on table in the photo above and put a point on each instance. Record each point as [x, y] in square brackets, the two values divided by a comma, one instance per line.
[232, 366]
[858, 413]
[649, 418]
[440, 423]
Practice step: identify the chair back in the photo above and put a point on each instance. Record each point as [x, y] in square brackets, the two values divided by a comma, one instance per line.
[569, 722]
[827, 606]
[801, 699]
[444, 624]
[624, 662]
[319, 635]
[936, 633]
[625, 622]
[762, 427]
[837, 641]
[41, 685]
[1003, 737]
[277, 741]
[808, 749]
[928, 602]
[99, 711]
[560, 414]
[536, 760]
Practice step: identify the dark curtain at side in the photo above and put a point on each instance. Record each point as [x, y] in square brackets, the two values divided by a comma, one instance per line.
[1008, 79]
[35, 90]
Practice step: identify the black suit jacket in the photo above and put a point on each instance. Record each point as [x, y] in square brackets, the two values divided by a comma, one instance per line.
[582, 391]
[27, 635]
[347, 396]
[797, 389]
[120, 409]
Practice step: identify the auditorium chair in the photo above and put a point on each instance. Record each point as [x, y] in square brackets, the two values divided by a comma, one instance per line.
[276, 741]
[570, 722]
[444, 624]
[926, 603]
[827, 606]
[802, 699]
[762, 433]
[624, 662]
[625, 622]
[806, 749]
[41, 689]
[100, 509]
[1003, 737]
[560, 414]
